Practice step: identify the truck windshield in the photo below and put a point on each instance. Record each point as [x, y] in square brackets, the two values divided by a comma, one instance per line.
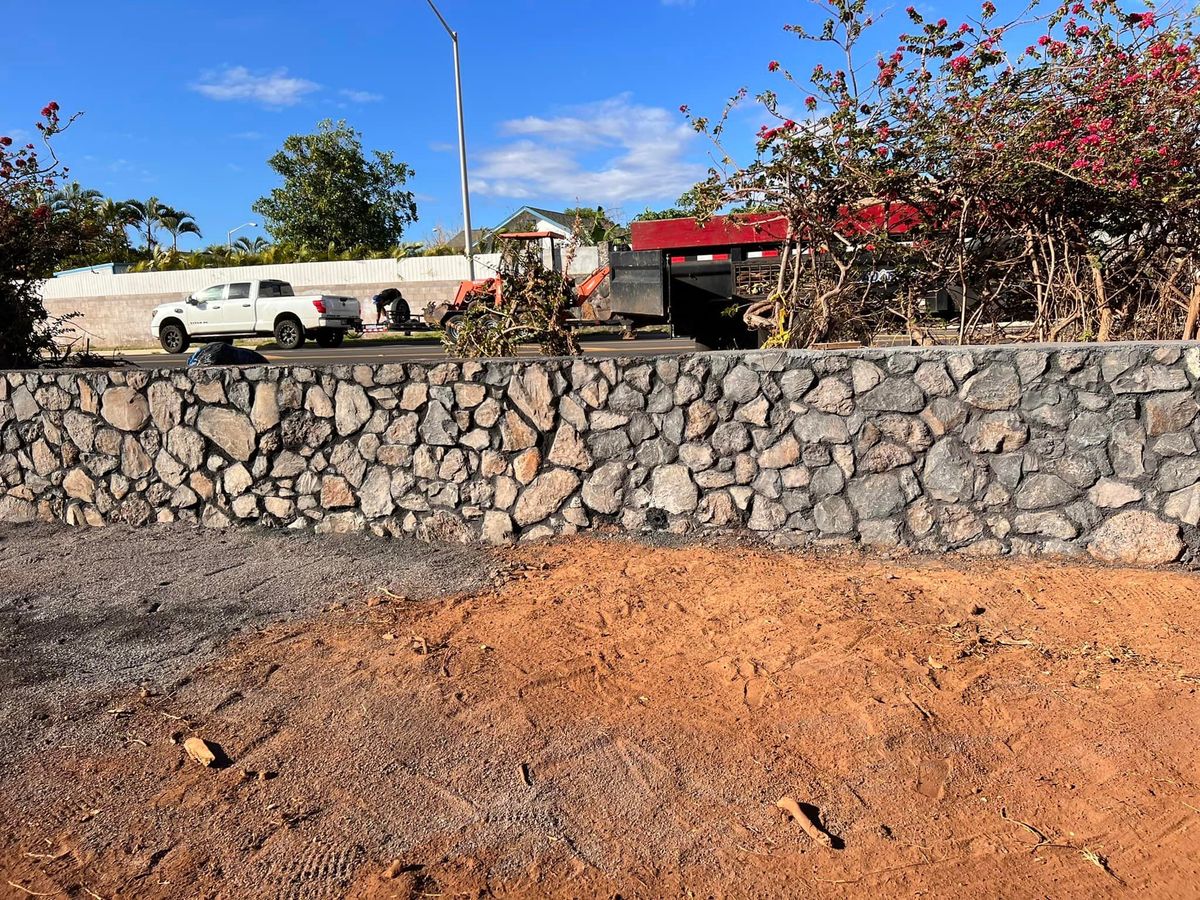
[275, 289]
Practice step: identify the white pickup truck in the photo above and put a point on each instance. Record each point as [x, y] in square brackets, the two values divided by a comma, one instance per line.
[248, 308]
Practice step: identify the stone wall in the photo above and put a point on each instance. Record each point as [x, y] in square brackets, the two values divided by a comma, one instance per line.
[980, 450]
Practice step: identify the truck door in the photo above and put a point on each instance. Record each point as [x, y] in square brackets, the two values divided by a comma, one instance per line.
[204, 314]
[238, 312]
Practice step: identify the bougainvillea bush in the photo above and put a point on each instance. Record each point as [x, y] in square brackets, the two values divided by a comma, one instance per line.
[32, 242]
[1037, 165]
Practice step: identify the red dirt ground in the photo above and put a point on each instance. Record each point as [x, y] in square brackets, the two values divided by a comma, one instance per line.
[620, 719]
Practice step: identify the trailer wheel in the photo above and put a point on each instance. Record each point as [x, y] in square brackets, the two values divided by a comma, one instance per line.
[400, 312]
[450, 328]
[289, 333]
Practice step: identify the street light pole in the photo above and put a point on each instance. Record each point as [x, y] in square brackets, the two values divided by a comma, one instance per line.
[468, 242]
[229, 233]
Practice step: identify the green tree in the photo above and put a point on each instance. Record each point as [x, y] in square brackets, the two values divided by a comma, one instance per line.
[146, 216]
[593, 225]
[333, 195]
[176, 222]
[33, 243]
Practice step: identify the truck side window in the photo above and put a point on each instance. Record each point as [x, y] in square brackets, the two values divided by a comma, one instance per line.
[212, 294]
[275, 289]
[239, 291]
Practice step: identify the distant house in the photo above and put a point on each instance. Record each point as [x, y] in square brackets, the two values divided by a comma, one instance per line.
[527, 218]
[112, 268]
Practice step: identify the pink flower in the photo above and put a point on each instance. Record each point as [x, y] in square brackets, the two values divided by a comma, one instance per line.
[1145, 20]
[1043, 40]
[960, 64]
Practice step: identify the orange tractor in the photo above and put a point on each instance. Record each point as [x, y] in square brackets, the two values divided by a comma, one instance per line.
[590, 304]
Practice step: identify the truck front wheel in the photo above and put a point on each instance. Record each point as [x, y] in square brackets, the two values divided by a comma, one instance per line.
[173, 338]
[330, 337]
[289, 334]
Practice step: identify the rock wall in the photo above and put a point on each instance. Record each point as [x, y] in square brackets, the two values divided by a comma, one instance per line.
[983, 450]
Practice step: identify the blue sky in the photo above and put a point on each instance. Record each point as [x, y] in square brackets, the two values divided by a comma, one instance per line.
[568, 101]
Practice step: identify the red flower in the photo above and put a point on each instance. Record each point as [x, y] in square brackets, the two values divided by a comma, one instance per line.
[960, 64]
[1044, 40]
[5, 141]
[810, 102]
[1145, 20]
[773, 66]
[942, 23]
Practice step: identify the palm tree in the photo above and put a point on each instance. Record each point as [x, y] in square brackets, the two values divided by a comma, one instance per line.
[74, 198]
[176, 222]
[246, 245]
[147, 217]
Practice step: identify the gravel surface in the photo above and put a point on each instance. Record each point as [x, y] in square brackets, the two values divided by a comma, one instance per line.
[85, 613]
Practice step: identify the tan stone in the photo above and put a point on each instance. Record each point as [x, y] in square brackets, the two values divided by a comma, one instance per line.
[124, 408]
[336, 492]
[78, 484]
[1136, 538]
[525, 466]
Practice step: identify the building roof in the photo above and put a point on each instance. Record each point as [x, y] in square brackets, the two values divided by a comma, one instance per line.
[546, 215]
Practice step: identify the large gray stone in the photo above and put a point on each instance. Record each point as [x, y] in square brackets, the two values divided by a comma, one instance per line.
[228, 429]
[1042, 490]
[766, 515]
[165, 405]
[375, 495]
[544, 496]
[831, 395]
[530, 392]
[352, 408]
[1136, 538]
[877, 496]
[996, 388]
[795, 383]
[741, 384]
[672, 489]
[568, 449]
[949, 472]
[438, 427]
[833, 516]
[1184, 505]
[1149, 379]
[818, 427]
[1178, 472]
[603, 491]
[894, 395]
[730, 438]
[1047, 524]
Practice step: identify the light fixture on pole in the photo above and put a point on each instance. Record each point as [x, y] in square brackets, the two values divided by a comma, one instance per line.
[229, 234]
[468, 240]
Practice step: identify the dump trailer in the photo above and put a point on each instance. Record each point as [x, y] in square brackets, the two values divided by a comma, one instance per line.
[698, 276]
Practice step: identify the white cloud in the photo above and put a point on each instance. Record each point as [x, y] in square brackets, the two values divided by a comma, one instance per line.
[275, 88]
[360, 96]
[442, 146]
[610, 152]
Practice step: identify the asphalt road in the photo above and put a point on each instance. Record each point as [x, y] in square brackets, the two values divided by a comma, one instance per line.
[428, 351]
